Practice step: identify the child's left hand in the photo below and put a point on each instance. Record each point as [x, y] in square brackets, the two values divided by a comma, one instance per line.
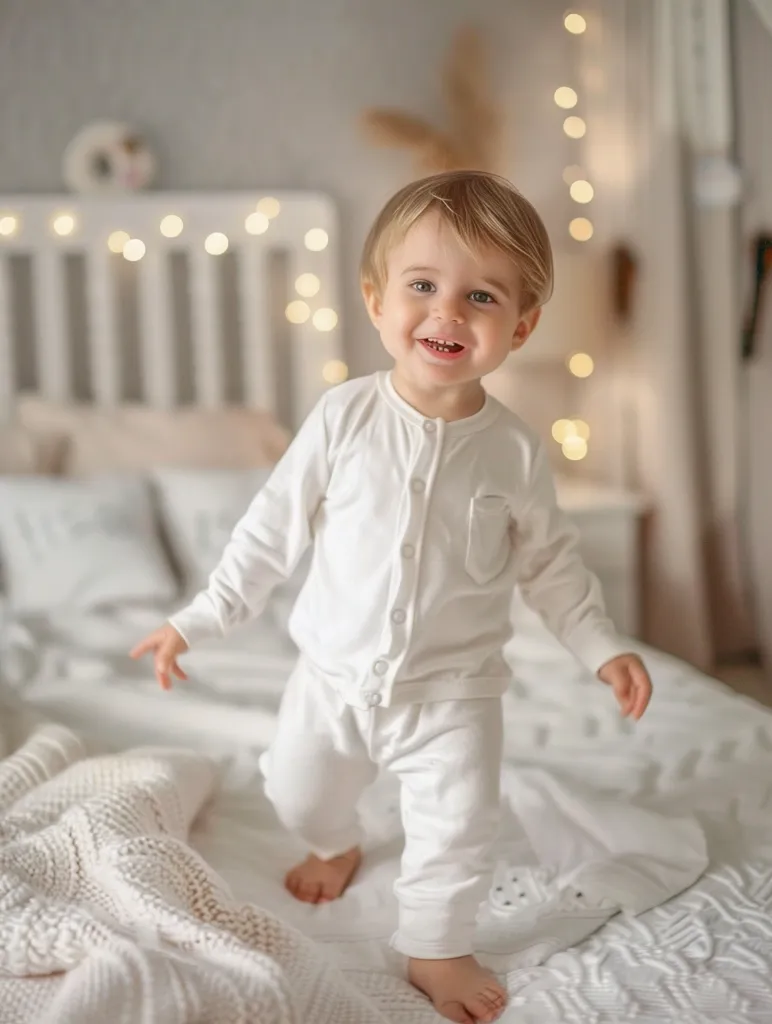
[627, 676]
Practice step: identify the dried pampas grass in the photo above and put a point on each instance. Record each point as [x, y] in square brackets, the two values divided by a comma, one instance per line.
[473, 138]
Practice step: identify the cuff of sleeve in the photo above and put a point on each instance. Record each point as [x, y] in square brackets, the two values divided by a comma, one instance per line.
[594, 647]
[193, 627]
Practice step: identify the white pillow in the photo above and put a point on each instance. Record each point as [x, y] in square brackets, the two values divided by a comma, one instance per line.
[199, 509]
[80, 544]
[136, 438]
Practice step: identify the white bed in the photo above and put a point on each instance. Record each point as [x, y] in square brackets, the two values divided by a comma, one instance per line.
[601, 816]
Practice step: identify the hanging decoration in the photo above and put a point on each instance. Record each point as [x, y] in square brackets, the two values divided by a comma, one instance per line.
[108, 157]
[471, 140]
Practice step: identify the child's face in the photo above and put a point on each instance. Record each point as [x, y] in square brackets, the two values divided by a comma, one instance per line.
[448, 316]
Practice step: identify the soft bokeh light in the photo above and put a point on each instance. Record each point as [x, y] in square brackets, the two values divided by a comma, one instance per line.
[561, 429]
[307, 285]
[566, 97]
[116, 241]
[269, 207]
[325, 319]
[297, 312]
[216, 243]
[257, 223]
[134, 250]
[335, 371]
[581, 229]
[171, 226]
[63, 224]
[574, 127]
[575, 23]
[581, 364]
[8, 225]
[316, 239]
[582, 191]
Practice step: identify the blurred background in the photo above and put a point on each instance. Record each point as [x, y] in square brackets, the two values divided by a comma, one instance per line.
[640, 130]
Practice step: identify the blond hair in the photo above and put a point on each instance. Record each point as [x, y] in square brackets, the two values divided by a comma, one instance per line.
[482, 209]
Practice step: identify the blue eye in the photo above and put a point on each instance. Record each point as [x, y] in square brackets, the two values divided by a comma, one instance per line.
[422, 286]
[483, 297]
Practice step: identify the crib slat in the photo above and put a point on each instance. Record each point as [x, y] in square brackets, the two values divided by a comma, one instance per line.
[103, 327]
[54, 358]
[206, 327]
[258, 357]
[156, 321]
[7, 361]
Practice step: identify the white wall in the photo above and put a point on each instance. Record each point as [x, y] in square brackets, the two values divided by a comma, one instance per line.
[254, 93]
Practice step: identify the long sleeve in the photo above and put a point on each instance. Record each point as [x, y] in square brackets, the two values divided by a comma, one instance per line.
[268, 541]
[553, 578]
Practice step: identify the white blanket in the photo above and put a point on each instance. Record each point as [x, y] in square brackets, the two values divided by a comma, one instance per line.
[97, 881]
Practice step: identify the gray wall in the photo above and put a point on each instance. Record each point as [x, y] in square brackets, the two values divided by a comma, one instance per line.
[266, 93]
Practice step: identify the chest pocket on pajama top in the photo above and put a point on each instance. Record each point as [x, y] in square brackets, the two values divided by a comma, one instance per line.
[489, 543]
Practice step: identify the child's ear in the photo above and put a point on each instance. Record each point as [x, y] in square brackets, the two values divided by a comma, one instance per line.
[372, 297]
[525, 327]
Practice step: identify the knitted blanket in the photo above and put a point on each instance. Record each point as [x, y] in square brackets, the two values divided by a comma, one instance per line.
[106, 914]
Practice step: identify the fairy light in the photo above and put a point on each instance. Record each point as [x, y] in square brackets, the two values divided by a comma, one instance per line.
[297, 311]
[116, 241]
[581, 191]
[581, 364]
[257, 223]
[134, 250]
[269, 207]
[574, 448]
[566, 97]
[8, 225]
[562, 429]
[171, 226]
[216, 243]
[575, 127]
[316, 239]
[575, 23]
[581, 229]
[307, 285]
[335, 371]
[63, 224]
[325, 319]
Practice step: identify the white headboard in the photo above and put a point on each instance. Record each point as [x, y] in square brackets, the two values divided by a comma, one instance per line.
[90, 279]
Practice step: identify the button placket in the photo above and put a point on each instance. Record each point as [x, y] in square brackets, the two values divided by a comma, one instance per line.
[396, 637]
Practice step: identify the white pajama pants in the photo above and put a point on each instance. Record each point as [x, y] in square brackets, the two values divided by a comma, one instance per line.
[447, 756]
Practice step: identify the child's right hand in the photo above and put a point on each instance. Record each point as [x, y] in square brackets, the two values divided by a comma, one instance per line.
[166, 645]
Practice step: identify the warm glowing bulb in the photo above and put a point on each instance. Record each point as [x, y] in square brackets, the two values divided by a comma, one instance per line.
[216, 243]
[307, 285]
[575, 24]
[269, 207]
[582, 191]
[171, 226]
[63, 224]
[335, 372]
[134, 250]
[297, 312]
[256, 223]
[325, 319]
[566, 97]
[316, 239]
[572, 174]
[581, 229]
[574, 127]
[574, 448]
[116, 241]
[562, 429]
[580, 364]
[581, 429]
[8, 225]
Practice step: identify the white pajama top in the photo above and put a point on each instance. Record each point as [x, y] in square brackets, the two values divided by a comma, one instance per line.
[421, 530]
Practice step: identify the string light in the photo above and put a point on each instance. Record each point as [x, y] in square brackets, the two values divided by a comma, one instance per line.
[8, 225]
[574, 127]
[581, 191]
[171, 226]
[581, 364]
[307, 285]
[269, 207]
[581, 429]
[257, 223]
[335, 371]
[63, 224]
[116, 241]
[581, 229]
[562, 429]
[325, 319]
[297, 311]
[134, 250]
[575, 23]
[316, 239]
[216, 243]
[574, 448]
[566, 97]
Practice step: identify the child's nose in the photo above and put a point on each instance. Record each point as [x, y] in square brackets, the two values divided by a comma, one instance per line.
[449, 309]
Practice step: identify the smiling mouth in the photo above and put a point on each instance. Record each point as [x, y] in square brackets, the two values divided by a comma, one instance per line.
[441, 347]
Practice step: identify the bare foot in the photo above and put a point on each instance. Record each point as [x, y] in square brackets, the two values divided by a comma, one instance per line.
[319, 881]
[461, 989]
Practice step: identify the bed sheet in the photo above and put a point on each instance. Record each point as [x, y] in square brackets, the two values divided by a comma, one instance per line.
[701, 752]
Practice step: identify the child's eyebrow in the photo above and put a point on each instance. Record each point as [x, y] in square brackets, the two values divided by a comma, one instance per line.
[492, 282]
